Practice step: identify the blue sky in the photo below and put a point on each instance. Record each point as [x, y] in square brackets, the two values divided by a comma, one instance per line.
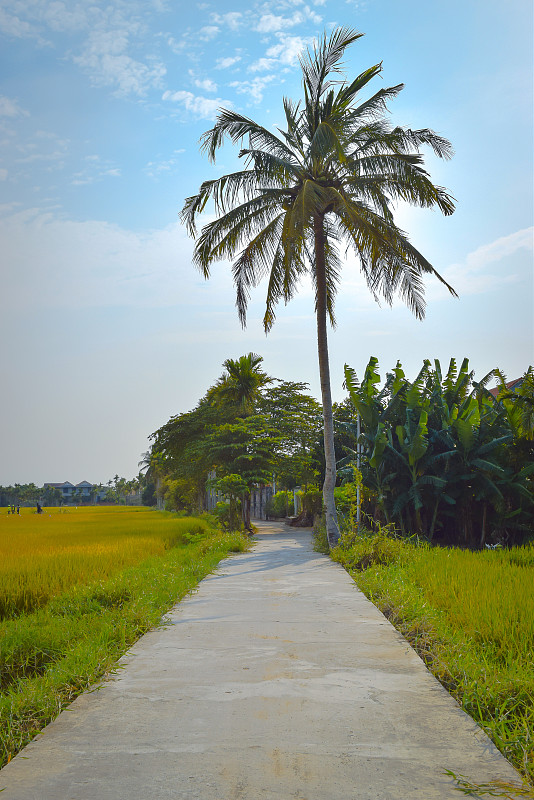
[107, 330]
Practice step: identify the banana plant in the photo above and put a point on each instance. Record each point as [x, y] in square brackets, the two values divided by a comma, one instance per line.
[444, 456]
[371, 406]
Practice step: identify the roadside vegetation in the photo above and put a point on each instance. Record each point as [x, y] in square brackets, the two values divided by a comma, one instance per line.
[436, 523]
[470, 617]
[249, 429]
[90, 582]
[442, 457]
[437, 530]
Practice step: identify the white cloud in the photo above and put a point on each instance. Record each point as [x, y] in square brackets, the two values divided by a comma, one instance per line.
[225, 63]
[285, 53]
[474, 274]
[262, 65]
[106, 60]
[53, 262]
[500, 248]
[253, 88]
[3, 174]
[95, 170]
[155, 168]
[10, 108]
[177, 46]
[289, 48]
[233, 19]
[15, 26]
[271, 23]
[8, 208]
[110, 30]
[44, 146]
[62, 17]
[206, 84]
[201, 107]
[208, 32]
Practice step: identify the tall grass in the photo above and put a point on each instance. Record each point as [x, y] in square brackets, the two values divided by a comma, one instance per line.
[43, 555]
[68, 638]
[470, 615]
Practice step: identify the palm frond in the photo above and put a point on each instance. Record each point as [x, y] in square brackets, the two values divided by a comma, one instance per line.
[409, 140]
[288, 265]
[255, 261]
[326, 141]
[317, 63]
[347, 94]
[269, 168]
[225, 235]
[325, 57]
[236, 127]
[375, 105]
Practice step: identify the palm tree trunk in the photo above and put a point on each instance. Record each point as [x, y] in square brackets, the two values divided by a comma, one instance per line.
[332, 528]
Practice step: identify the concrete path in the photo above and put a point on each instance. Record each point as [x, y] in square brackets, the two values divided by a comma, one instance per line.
[277, 680]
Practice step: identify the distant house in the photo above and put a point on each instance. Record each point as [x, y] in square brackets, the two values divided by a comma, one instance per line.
[511, 386]
[81, 492]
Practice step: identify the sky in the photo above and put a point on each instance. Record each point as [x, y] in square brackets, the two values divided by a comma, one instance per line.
[107, 330]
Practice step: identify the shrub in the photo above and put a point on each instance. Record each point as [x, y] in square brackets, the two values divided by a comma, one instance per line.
[280, 504]
[312, 501]
[228, 514]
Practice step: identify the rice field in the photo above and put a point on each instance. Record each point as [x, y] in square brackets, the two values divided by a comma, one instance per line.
[470, 616]
[44, 555]
[489, 595]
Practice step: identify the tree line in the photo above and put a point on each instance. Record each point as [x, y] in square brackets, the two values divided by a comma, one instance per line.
[117, 490]
[248, 429]
[439, 456]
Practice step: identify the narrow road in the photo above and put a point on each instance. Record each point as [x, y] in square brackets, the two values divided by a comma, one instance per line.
[276, 680]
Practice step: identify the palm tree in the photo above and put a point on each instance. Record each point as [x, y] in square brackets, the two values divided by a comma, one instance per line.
[153, 465]
[332, 175]
[240, 384]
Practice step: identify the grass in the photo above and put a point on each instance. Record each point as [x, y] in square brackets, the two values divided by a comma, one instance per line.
[62, 635]
[43, 555]
[470, 616]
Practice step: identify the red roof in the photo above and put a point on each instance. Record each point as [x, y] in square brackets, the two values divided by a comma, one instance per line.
[511, 385]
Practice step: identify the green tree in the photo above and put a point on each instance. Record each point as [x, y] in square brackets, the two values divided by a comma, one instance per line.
[152, 464]
[239, 386]
[51, 496]
[181, 445]
[296, 418]
[332, 175]
[244, 449]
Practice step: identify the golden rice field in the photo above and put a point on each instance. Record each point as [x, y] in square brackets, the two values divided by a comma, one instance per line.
[489, 595]
[44, 555]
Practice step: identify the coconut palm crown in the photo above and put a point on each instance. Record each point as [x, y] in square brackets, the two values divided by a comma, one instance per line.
[240, 384]
[332, 176]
